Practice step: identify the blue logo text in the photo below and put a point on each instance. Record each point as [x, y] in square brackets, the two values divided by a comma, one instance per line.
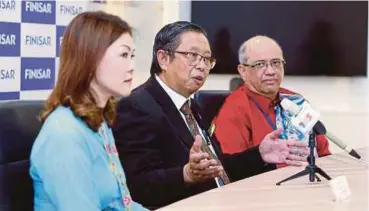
[7, 74]
[70, 9]
[38, 40]
[7, 4]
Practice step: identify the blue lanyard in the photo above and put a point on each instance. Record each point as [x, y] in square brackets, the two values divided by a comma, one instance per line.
[265, 115]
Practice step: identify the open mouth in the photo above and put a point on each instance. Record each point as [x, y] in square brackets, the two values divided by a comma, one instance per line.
[198, 79]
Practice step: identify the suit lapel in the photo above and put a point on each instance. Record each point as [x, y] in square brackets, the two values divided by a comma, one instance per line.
[168, 107]
[201, 121]
[204, 124]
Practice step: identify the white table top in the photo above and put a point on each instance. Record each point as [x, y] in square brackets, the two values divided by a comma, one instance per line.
[260, 192]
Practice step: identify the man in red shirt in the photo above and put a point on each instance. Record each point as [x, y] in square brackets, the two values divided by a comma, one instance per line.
[253, 111]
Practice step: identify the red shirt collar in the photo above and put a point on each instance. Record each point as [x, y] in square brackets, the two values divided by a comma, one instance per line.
[264, 102]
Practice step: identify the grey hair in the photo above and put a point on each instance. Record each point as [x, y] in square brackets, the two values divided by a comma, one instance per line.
[242, 58]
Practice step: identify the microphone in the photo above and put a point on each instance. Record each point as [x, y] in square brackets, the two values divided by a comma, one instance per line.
[306, 119]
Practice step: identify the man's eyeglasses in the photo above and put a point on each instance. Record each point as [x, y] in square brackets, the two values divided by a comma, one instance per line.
[262, 65]
[195, 58]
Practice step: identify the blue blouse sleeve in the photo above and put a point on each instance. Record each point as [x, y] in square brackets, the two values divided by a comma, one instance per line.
[138, 207]
[65, 168]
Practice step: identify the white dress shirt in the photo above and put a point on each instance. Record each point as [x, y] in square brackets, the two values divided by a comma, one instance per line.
[178, 101]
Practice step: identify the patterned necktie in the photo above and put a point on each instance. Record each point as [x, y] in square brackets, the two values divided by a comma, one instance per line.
[190, 119]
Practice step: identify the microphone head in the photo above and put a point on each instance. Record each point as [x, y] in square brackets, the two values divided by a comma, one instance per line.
[294, 109]
[319, 128]
[290, 106]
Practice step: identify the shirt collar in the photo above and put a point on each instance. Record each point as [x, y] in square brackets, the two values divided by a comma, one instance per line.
[177, 99]
[264, 102]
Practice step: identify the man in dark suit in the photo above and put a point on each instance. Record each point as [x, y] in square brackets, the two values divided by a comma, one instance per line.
[161, 135]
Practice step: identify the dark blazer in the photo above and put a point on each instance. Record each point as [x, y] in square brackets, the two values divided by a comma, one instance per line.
[154, 142]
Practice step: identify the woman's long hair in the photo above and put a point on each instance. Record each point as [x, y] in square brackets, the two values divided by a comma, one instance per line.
[85, 41]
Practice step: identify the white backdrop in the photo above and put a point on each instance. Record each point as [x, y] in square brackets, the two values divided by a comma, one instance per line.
[30, 37]
[343, 102]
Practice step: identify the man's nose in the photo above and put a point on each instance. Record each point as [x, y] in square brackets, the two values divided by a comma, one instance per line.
[269, 70]
[201, 65]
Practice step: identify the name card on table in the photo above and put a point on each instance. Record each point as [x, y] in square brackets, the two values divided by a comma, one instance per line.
[340, 188]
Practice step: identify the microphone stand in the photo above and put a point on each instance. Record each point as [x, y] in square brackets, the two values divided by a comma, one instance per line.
[311, 169]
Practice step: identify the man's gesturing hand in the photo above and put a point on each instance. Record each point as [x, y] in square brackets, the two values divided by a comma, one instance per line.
[200, 167]
[275, 150]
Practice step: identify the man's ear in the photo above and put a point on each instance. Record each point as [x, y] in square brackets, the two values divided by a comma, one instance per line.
[242, 71]
[163, 59]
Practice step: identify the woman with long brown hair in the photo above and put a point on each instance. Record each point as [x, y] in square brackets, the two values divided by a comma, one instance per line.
[74, 161]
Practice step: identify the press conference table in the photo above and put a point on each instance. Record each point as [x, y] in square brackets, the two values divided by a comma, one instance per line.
[260, 192]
